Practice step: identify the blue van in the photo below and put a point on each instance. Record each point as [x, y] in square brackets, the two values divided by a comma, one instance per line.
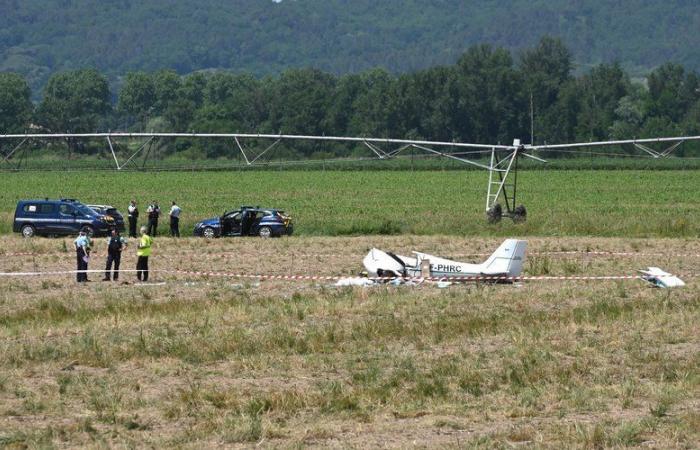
[58, 217]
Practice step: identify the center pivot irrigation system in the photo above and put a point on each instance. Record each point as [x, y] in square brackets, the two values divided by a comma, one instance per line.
[502, 166]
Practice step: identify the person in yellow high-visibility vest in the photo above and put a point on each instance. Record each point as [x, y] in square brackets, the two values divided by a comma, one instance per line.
[143, 252]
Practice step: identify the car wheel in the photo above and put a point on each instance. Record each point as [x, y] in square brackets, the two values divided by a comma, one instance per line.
[208, 233]
[87, 229]
[28, 231]
[265, 232]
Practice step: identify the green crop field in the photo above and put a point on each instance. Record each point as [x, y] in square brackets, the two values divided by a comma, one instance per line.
[591, 203]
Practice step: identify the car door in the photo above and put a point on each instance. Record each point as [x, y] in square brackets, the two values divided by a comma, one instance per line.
[231, 224]
[67, 222]
[46, 220]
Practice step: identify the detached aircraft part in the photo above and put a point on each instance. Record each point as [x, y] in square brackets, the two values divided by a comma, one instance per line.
[660, 278]
[506, 261]
[501, 194]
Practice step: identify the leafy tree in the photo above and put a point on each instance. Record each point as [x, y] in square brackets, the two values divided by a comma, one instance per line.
[600, 92]
[192, 89]
[373, 113]
[491, 104]
[341, 111]
[629, 114]
[299, 101]
[672, 91]
[137, 96]
[166, 87]
[425, 102]
[15, 105]
[545, 68]
[75, 101]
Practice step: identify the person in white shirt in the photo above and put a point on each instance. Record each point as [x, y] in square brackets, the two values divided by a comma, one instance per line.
[133, 218]
[82, 253]
[174, 220]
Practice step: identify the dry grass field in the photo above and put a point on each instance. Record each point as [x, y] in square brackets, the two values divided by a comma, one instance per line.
[189, 361]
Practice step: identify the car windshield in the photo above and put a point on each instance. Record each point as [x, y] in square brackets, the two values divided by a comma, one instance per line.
[84, 209]
[111, 211]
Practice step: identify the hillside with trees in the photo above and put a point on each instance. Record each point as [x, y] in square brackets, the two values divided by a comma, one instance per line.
[262, 37]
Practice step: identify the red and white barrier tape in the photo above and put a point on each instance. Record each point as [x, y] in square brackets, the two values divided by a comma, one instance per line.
[469, 279]
[467, 255]
[464, 255]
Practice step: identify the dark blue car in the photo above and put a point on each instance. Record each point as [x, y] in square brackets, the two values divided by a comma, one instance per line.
[246, 221]
[58, 217]
[110, 213]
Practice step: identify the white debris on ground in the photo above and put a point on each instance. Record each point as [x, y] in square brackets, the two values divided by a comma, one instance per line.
[355, 281]
[367, 282]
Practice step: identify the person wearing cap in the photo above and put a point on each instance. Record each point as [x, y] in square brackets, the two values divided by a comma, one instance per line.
[115, 245]
[143, 252]
[133, 218]
[174, 220]
[153, 215]
[82, 253]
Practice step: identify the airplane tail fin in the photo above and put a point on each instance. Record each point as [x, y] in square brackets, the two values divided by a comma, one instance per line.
[507, 259]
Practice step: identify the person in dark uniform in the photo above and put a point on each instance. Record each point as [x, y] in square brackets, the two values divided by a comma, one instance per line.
[82, 253]
[133, 218]
[115, 245]
[153, 215]
[245, 223]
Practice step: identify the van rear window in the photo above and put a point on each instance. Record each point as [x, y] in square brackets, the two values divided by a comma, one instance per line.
[44, 208]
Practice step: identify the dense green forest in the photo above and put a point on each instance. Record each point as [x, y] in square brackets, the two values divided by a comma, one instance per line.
[263, 37]
[486, 97]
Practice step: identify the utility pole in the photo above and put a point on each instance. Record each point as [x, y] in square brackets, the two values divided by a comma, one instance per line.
[532, 120]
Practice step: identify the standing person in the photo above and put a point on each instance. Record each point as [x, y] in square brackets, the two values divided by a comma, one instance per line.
[82, 253]
[153, 215]
[143, 252]
[115, 245]
[133, 218]
[174, 220]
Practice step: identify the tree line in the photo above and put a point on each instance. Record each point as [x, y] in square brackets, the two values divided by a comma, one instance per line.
[488, 96]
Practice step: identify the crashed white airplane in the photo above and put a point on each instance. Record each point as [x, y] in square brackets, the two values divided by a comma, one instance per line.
[506, 262]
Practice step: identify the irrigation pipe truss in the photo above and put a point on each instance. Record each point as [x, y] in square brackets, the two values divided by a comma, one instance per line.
[371, 142]
[502, 162]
